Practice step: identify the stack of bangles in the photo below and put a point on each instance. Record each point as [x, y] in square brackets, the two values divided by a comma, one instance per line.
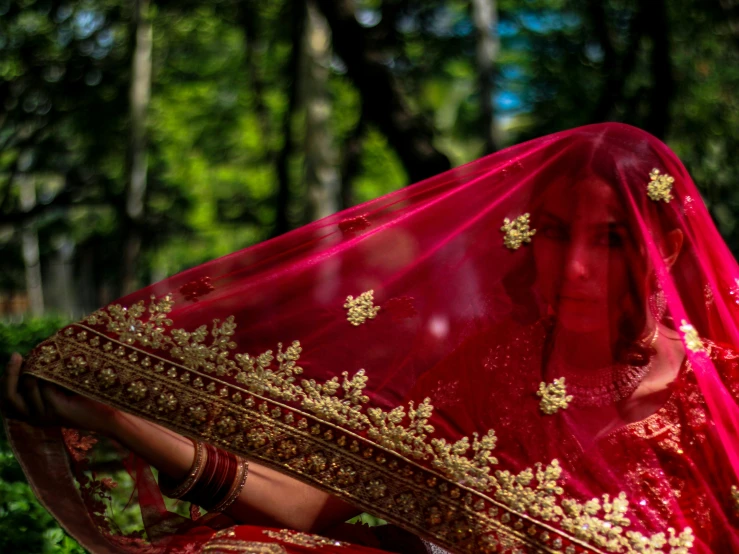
[214, 481]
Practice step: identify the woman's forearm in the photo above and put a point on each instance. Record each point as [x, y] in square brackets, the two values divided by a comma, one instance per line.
[268, 497]
[166, 450]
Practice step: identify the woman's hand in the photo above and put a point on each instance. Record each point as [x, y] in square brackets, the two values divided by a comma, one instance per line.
[42, 403]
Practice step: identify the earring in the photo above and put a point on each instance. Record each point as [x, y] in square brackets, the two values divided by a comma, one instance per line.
[658, 304]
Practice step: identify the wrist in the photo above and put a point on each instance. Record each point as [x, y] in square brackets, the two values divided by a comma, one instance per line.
[110, 423]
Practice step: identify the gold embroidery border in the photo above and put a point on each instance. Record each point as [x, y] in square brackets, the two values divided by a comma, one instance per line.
[245, 547]
[445, 512]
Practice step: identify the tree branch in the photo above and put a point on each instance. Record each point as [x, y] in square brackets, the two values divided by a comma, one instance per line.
[409, 135]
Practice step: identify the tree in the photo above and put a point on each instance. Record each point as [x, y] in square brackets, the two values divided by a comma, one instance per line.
[140, 93]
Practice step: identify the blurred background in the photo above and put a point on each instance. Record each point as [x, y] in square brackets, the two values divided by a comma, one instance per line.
[142, 137]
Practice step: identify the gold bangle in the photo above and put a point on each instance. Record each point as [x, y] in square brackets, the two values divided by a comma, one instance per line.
[196, 471]
[239, 481]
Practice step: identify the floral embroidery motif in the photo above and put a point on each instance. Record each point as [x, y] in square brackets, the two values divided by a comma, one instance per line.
[735, 498]
[517, 232]
[361, 308]
[660, 186]
[689, 205]
[708, 295]
[195, 289]
[354, 224]
[302, 539]
[600, 524]
[400, 308]
[553, 396]
[734, 291]
[311, 441]
[107, 377]
[691, 338]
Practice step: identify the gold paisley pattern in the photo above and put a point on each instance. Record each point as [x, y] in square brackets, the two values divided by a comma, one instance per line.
[553, 396]
[387, 462]
[517, 232]
[660, 186]
[361, 308]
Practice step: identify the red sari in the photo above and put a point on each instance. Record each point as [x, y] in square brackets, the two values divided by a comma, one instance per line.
[530, 353]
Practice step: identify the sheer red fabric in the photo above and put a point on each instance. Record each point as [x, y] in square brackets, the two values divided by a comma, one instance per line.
[535, 352]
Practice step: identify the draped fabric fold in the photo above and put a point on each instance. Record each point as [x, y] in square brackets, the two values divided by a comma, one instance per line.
[534, 352]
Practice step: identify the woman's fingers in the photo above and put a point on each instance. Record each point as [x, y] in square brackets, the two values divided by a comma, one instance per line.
[32, 396]
[10, 393]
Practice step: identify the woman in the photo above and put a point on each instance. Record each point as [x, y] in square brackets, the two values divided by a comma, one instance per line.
[534, 352]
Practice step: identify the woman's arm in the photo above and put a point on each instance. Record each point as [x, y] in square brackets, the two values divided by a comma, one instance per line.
[268, 497]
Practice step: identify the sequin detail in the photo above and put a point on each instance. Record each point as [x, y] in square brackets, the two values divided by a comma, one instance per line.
[323, 431]
[553, 396]
[195, 289]
[691, 338]
[361, 308]
[517, 232]
[354, 225]
[660, 186]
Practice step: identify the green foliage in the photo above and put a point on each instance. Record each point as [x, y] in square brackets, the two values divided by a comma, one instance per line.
[22, 337]
[367, 519]
[25, 525]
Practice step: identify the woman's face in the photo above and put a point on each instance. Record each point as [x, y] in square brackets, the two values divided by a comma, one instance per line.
[585, 255]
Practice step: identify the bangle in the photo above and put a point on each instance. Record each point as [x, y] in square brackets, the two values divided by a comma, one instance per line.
[193, 476]
[242, 471]
[221, 482]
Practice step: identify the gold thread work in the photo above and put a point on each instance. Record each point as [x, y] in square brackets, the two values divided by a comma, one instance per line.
[691, 338]
[660, 186]
[310, 440]
[553, 396]
[517, 232]
[361, 308]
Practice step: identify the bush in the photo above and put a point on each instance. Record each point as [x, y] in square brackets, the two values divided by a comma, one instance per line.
[25, 525]
[22, 337]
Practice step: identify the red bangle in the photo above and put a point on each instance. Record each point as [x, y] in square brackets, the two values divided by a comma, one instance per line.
[178, 490]
[242, 471]
[222, 479]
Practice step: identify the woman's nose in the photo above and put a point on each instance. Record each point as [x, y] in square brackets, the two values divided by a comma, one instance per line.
[577, 262]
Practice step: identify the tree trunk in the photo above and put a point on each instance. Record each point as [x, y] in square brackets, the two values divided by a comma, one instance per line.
[661, 91]
[322, 177]
[485, 18]
[351, 163]
[247, 16]
[61, 273]
[282, 206]
[616, 69]
[409, 135]
[140, 93]
[29, 246]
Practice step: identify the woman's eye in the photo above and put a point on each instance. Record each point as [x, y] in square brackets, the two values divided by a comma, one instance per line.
[611, 239]
[555, 232]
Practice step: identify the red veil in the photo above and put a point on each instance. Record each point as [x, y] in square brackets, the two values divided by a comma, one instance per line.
[535, 352]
